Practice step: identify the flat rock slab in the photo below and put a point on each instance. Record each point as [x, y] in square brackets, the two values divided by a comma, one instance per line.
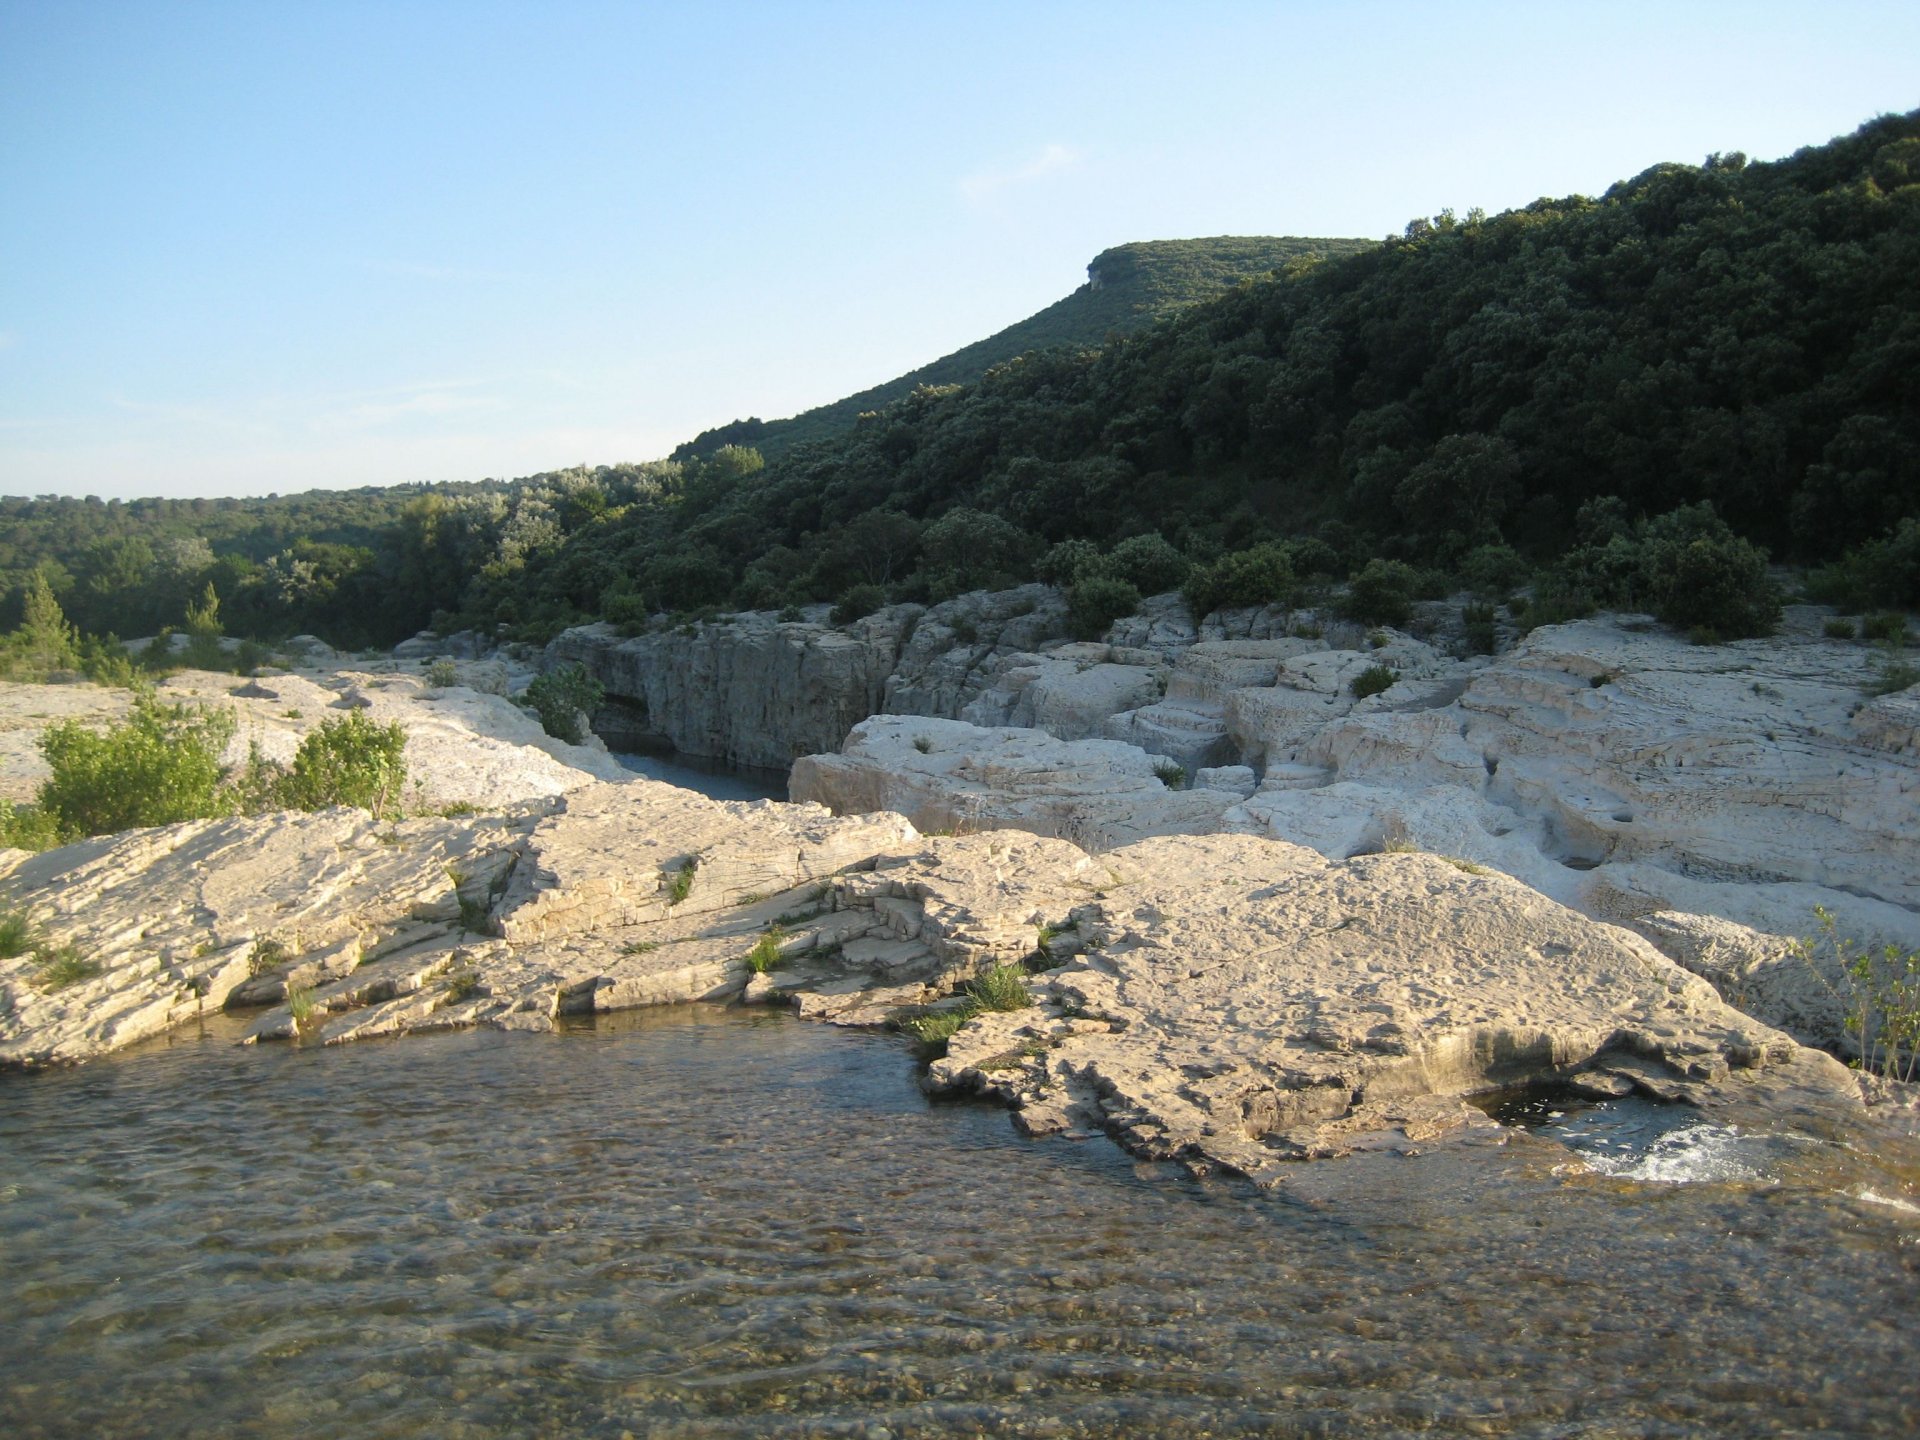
[1244, 1003]
[172, 921]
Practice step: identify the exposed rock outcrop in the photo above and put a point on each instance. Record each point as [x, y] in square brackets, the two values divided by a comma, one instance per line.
[1608, 764]
[753, 690]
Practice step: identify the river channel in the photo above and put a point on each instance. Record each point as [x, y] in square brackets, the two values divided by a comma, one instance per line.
[711, 1222]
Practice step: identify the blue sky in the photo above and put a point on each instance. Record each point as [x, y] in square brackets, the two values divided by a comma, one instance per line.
[271, 246]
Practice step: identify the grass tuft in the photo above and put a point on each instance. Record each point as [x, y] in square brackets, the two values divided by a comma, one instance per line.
[16, 934]
[765, 954]
[681, 885]
[61, 966]
[301, 1004]
[1002, 988]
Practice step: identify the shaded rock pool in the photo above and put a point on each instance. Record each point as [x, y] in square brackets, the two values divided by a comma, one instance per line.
[707, 1222]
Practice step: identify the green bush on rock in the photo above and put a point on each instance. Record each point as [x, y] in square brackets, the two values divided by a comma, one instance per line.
[160, 766]
[348, 761]
[560, 697]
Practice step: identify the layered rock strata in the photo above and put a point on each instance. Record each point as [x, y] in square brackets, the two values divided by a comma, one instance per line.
[1227, 1002]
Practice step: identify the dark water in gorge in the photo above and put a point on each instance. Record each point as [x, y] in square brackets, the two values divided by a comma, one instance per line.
[715, 779]
[699, 1222]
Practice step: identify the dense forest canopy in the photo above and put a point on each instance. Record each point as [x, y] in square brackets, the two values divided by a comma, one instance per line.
[1702, 347]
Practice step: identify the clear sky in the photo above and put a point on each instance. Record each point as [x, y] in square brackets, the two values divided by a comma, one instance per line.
[275, 245]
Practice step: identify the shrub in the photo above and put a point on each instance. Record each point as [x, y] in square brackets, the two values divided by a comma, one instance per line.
[1313, 558]
[1888, 625]
[347, 761]
[1068, 562]
[443, 673]
[161, 765]
[1491, 570]
[858, 601]
[1149, 564]
[1262, 575]
[1840, 629]
[1382, 593]
[1170, 775]
[1095, 603]
[1893, 676]
[1880, 990]
[681, 885]
[560, 697]
[1371, 681]
[1699, 574]
[1482, 638]
[27, 827]
[1878, 573]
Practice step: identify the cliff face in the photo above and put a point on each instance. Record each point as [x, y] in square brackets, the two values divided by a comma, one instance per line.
[756, 690]
[753, 691]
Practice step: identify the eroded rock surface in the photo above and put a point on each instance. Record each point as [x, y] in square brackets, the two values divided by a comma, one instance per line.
[1243, 1003]
[1609, 764]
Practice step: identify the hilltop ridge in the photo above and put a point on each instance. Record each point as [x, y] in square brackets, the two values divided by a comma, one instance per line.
[1128, 288]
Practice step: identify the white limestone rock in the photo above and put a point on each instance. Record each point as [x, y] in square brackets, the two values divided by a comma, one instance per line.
[948, 775]
[1247, 1005]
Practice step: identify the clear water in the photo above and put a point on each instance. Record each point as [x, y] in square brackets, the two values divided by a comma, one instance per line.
[701, 1222]
[713, 778]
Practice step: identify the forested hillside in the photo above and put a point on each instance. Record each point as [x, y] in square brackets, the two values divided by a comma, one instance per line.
[1128, 288]
[1626, 395]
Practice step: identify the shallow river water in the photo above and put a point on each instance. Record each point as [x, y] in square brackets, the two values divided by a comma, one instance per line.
[702, 1222]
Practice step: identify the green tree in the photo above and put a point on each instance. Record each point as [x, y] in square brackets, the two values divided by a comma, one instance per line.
[45, 642]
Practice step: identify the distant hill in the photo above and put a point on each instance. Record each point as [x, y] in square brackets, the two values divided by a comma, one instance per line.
[1128, 288]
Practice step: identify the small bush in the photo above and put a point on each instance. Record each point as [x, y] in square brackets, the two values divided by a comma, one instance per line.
[161, 765]
[1070, 562]
[443, 673]
[268, 954]
[1888, 625]
[923, 743]
[347, 761]
[681, 885]
[1840, 629]
[1492, 570]
[1170, 775]
[1893, 676]
[857, 602]
[1482, 637]
[1371, 681]
[1883, 572]
[560, 697]
[301, 1005]
[1382, 593]
[1262, 575]
[462, 985]
[1150, 564]
[27, 827]
[1094, 604]
[1880, 990]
